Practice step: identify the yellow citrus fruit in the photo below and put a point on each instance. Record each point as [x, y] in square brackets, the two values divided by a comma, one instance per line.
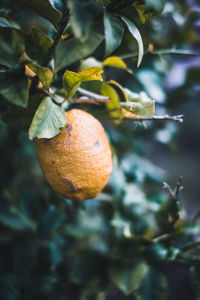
[77, 163]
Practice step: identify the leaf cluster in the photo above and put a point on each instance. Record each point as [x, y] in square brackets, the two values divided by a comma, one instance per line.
[34, 62]
[55, 55]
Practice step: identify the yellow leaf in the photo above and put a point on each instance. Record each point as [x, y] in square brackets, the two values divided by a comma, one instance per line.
[72, 80]
[113, 82]
[115, 61]
[114, 104]
[92, 73]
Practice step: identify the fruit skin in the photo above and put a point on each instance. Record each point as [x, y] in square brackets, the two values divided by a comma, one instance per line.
[77, 163]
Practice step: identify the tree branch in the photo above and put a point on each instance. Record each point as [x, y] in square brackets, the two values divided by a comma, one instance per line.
[91, 97]
[175, 52]
[191, 247]
[61, 28]
[88, 100]
[174, 194]
[178, 118]
[163, 52]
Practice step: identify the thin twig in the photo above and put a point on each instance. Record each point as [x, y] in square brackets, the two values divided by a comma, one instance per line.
[61, 28]
[86, 99]
[162, 238]
[178, 118]
[163, 52]
[168, 187]
[185, 259]
[175, 52]
[174, 216]
[174, 194]
[95, 97]
[179, 187]
[191, 247]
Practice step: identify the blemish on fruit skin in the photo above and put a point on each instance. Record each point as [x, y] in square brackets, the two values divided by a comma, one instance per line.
[71, 185]
[53, 162]
[96, 144]
[68, 127]
[57, 143]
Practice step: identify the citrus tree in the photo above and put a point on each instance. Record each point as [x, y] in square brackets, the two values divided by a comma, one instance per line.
[111, 59]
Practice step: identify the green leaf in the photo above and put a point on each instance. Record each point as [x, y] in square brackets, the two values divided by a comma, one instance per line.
[114, 105]
[128, 278]
[11, 46]
[47, 121]
[132, 96]
[140, 104]
[37, 45]
[80, 18]
[15, 220]
[14, 87]
[90, 62]
[68, 52]
[153, 286]
[154, 6]
[72, 80]
[115, 61]
[136, 34]
[44, 74]
[113, 30]
[51, 220]
[43, 8]
[21, 118]
[153, 83]
[103, 1]
[141, 109]
[5, 23]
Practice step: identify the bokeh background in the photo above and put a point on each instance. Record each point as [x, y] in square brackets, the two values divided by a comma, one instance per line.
[45, 237]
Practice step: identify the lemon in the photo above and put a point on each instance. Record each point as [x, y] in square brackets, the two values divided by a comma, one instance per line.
[77, 163]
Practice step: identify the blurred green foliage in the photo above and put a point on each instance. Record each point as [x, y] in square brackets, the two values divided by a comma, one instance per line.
[51, 247]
